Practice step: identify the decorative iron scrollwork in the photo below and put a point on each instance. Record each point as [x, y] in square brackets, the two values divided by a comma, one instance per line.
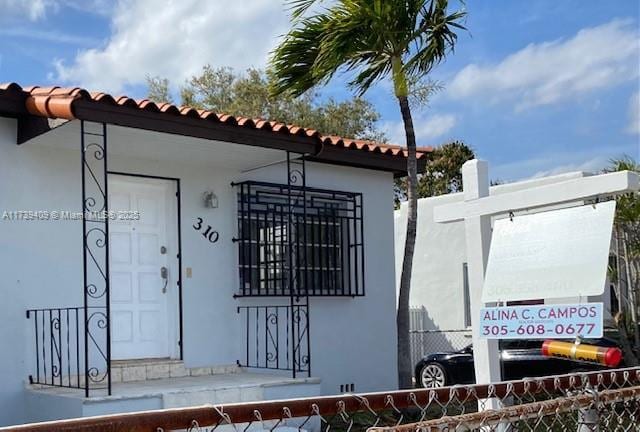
[95, 207]
[276, 337]
[296, 176]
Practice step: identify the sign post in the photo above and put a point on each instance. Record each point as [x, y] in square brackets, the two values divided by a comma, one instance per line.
[476, 211]
[475, 177]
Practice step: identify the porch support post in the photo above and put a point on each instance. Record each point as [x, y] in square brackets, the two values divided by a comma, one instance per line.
[95, 252]
[296, 191]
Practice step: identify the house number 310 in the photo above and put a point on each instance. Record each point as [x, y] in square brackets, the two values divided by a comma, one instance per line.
[208, 233]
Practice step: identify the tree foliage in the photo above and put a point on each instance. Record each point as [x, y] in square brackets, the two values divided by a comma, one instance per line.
[402, 39]
[443, 173]
[158, 90]
[248, 95]
[628, 205]
[628, 212]
[625, 273]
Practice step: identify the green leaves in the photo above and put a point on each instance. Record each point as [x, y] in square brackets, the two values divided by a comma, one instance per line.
[443, 173]
[300, 7]
[628, 210]
[364, 36]
[628, 206]
[158, 89]
[248, 95]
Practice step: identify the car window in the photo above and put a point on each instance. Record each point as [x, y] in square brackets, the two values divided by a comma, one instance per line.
[532, 344]
[520, 344]
[506, 344]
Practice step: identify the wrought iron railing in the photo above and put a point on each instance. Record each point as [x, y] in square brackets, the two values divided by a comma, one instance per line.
[60, 350]
[276, 337]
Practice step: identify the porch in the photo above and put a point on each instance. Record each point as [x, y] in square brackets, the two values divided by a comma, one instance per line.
[135, 270]
[270, 243]
[158, 384]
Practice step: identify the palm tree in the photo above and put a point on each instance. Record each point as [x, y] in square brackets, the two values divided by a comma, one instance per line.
[374, 39]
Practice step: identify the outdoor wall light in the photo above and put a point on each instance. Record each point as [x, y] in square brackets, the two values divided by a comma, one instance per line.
[210, 199]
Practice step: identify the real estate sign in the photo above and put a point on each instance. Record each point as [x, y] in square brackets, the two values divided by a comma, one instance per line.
[554, 254]
[560, 321]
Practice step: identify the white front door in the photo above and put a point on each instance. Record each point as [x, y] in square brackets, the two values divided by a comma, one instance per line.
[142, 292]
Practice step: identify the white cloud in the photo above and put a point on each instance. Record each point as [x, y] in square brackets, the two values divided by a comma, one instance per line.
[30, 9]
[175, 39]
[550, 72]
[426, 129]
[634, 114]
[45, 35]
[593, 165]
[550, 164]
[563, 160]
[97, 7]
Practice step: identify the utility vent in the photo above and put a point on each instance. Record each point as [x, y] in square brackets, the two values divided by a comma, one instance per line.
[347, 388]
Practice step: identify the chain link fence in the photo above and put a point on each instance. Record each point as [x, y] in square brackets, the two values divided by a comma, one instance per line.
[425, 342]
[596, 401]
[426, 338]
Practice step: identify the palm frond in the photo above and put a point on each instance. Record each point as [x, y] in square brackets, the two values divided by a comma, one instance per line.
[300, 7]
[292, 62]
[363, 36]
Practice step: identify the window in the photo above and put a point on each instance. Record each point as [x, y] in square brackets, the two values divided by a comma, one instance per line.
[299, 241]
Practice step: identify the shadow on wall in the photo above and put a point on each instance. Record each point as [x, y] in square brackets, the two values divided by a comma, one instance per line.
[426, 338]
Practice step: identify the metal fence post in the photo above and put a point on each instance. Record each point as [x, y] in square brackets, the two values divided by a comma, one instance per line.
[588, 418]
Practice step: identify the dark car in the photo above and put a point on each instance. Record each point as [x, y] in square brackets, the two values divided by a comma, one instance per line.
[518, 358]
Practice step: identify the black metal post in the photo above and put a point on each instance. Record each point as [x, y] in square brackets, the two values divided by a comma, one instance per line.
[107, 256]
[290, 263]
[95, 250]
[296, 180]
[84, 262]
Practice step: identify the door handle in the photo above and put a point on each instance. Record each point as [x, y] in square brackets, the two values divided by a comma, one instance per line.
[164, 274]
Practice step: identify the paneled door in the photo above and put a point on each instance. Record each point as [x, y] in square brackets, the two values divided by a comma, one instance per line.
[142, 267]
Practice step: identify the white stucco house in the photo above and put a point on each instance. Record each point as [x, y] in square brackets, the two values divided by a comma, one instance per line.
[439, 299]
[157, 256]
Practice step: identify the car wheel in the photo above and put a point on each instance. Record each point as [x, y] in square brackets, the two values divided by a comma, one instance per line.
[433, 375]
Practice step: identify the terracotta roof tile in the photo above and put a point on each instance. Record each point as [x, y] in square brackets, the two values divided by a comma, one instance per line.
[57, 102]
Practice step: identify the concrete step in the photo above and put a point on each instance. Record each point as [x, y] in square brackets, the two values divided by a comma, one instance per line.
[126, 371]
[48, 403]
[152, 369]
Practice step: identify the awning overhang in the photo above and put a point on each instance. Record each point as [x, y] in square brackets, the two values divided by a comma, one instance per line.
[36, 107]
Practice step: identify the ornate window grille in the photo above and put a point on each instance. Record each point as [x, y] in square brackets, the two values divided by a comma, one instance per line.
[299, 241]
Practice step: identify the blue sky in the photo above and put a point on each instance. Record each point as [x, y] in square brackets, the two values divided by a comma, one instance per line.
[536, 87]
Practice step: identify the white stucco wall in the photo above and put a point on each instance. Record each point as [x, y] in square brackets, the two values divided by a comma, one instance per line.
[437, 279]
[353, 340]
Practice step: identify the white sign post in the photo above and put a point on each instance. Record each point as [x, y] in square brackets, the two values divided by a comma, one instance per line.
[475, 177]
[476, 211]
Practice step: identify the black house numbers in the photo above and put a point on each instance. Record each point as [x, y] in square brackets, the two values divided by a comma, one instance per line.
[209, 233]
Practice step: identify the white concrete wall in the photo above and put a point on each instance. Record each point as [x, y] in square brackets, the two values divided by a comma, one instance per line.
[437, 280]
[353, 340]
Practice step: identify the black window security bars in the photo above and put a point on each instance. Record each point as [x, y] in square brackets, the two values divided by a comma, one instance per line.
[276, 337]
[299, 241]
